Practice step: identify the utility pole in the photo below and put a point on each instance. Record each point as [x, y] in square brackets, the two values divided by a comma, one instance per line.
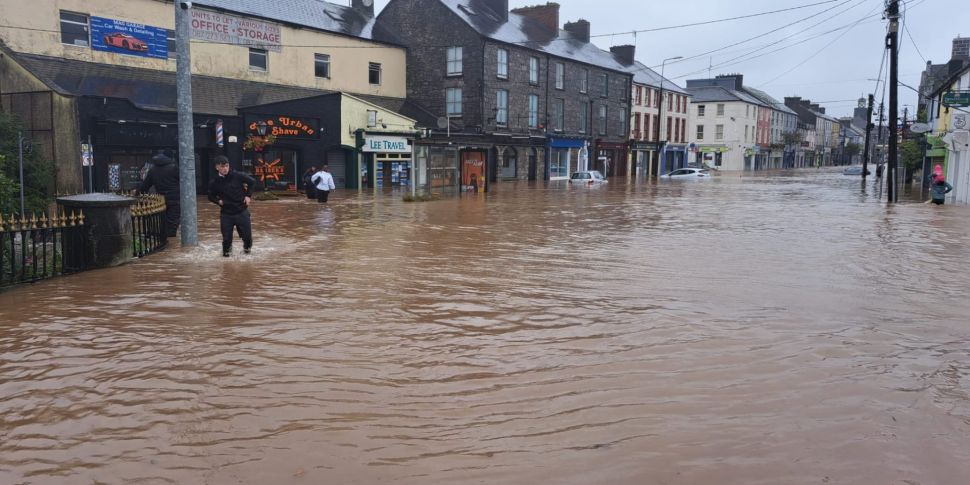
[190, 217]
[20, 157]
[879, 133]
[865, 155]
[892, 43]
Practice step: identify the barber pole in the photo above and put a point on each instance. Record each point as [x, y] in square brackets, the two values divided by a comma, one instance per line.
[219, 141]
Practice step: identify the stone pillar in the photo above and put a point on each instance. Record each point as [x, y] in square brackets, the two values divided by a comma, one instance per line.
[107, 230]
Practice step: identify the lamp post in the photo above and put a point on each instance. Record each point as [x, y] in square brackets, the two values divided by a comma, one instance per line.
[261, 128]
[661, 142]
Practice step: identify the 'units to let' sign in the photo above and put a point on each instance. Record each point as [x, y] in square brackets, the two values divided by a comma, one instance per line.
[386, 144]
[229, 29]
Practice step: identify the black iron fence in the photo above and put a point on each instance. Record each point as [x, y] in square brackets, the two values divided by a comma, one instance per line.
[148, 224]
[34, 248]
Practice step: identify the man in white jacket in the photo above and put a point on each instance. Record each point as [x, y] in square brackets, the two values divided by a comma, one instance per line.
[324, 183]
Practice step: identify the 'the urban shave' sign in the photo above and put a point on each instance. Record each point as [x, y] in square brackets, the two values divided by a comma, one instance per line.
[230, 29]
[386, 144]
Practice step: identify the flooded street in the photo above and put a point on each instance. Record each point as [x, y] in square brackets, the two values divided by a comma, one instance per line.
[757, 330]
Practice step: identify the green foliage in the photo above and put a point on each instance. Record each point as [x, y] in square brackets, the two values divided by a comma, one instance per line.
[419, 197]
[38, 172]
[792, 138]
[910, 154]
[852, 149]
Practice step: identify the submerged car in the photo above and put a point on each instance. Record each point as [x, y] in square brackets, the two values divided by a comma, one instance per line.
[587, 177]
[684, 173]
[125, 41]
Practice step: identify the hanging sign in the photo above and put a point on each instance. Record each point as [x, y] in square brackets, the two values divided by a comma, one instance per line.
[128, 38]
[959, 99]
[230, 29]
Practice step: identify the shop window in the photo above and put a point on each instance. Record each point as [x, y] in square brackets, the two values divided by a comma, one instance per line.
[502, 64]
[257, 59]
[453, 101]
[74, 29]
[374, 72]
[559, 163]
[454, 61]
[321, 65]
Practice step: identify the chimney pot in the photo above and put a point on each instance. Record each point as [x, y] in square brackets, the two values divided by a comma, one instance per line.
[624, 53]
[547, 15]
[579, 29]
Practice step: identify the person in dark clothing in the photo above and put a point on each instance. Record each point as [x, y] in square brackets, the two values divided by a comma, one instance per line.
[231, 190]
[308, 185]
[879, 171]
[164, 177]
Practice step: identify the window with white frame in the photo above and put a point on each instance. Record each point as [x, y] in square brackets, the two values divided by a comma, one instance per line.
[321, 65]
[74, 29]
[700, 110]
[602, 119]
[719, 132]
[604, 85]
[374, 72]
[454, 61]
[502, 107]
[453, 101]
[584, 81]
[720, 109]
[534, 70]
[371, 118]
[533, 111]
[623, 122]
[258, 59]
[503, 64]
[700, 132]
[560, 75]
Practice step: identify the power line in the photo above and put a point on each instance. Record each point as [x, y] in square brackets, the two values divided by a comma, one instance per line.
[708, 22]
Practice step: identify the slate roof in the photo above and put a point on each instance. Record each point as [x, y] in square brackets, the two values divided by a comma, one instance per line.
[707, 94]
[648, 77]
[316, 14]
[155, 90]
[524, 31]
[767, 99]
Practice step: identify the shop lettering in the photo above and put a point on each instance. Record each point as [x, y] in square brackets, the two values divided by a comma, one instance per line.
[271, 171]
[388, 146]
[286, 126]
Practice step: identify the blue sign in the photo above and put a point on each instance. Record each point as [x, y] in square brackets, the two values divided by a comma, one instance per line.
[128, 38]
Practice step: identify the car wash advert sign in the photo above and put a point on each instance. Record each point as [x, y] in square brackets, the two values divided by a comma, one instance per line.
[128, 38]
[229, 29]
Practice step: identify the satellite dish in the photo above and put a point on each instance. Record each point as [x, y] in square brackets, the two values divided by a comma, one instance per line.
[920, 128]
[442, 122]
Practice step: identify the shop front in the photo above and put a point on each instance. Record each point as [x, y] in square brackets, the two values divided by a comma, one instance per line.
[643, 157]
[566, 155]
[711, 156]
[387, 161]
[437, 169]
[279, 146]
[675, 157]
[610, 159]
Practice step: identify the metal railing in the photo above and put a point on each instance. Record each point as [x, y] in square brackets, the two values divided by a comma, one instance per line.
[148, 224]
[36, 248]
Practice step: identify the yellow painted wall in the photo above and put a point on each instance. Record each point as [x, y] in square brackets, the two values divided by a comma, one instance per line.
[39, 33]
[353, 116]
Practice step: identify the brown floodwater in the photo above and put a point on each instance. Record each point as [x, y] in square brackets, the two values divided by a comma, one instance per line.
[741, 330]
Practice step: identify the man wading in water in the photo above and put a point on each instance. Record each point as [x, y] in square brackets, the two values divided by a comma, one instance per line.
[231, 190]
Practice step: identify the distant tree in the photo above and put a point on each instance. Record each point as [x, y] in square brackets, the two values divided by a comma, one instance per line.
[852, 149]
[38, 172]
[910, 154]
[792, 138]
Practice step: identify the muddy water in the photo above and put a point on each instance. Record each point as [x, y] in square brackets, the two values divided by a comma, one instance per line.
[761, 330]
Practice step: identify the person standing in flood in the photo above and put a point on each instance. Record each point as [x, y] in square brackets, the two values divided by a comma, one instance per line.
[232, 192]
[324, 182]
[164, 177]
[939, 186]
[311, 190]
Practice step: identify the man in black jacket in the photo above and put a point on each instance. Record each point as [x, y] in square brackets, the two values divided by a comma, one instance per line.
[231, 190]
[164, 176]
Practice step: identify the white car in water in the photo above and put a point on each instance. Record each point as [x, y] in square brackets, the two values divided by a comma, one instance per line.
[587, 177]
[687, 173]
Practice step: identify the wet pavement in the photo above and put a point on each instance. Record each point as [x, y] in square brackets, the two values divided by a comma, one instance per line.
[752, 330]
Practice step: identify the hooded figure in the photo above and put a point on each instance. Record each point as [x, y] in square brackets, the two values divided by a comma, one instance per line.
[939, 187]
[164, 176]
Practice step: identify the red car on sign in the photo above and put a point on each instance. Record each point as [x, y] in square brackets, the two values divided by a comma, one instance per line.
[125, 41]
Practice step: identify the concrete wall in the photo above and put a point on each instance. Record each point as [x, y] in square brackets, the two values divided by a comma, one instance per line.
[292, 66]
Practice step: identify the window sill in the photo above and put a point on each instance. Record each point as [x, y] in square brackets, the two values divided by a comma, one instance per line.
[454, 74]
[505, 78]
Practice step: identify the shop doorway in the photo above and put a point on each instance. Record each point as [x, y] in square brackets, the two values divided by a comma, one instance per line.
[533, 166]
[392, 171]
[473, 171]
[510, 163]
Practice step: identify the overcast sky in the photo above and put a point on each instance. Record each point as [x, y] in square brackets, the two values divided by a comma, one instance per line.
[807, 61]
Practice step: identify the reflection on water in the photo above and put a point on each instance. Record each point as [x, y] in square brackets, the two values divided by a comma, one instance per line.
[784, 329]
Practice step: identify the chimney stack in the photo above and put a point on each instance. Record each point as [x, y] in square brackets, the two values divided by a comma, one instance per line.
[547, 15]
[360, 7]
[579, 29]
[500, 7]
[961, 48]
[624, 53]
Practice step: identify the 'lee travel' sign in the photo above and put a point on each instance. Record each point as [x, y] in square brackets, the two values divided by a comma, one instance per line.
[386, 144]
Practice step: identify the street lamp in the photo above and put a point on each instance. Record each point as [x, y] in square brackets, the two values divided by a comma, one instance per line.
[660, 119]
[261, 128]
